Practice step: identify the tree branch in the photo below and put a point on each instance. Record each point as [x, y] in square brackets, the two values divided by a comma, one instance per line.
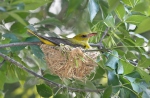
[99, 45]
[19, 44]
[46, 80]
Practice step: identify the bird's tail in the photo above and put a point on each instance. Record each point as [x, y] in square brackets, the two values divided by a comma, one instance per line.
[41, 38]
[33, 33]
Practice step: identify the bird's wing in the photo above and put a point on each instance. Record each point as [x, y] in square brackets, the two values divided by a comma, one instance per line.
[58, 41]
[55, 40]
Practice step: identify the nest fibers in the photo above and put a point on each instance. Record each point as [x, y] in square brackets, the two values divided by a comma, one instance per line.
[67, 62]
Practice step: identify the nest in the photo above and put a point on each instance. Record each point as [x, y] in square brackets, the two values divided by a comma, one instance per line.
[68, 62]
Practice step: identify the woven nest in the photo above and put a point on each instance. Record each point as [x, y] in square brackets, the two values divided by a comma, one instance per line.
[67, 62]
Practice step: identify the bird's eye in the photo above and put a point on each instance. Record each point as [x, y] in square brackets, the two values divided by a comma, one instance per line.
[84, 36]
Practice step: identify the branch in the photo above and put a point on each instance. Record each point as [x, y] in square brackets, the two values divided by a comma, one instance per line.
[46, 80]
[19, 44]
[99, 45]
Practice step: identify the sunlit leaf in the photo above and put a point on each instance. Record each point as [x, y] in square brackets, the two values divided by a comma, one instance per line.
[142, 7]
[130, 56]
[131, 3]
[144, 61]
[93, 9]
[128, 67]
[113, 4]
[109, 21]
[143, 26]
[120, 68]
[135, 19]
[144, 75]
[120, 11]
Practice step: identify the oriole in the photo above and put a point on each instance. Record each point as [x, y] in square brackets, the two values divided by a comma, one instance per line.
[80, 40]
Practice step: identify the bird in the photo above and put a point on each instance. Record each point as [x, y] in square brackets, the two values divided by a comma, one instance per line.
[80, 40]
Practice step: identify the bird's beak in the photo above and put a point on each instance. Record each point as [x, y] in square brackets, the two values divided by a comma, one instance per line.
[92, 34]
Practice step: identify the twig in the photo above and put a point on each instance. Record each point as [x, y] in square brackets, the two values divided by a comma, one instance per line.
[46, 80]
[2, 63]
[99, 45]
[19, 44]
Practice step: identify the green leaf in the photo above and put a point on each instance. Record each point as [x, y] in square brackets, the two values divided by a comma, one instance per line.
[103, 8]
[23, 15]
[135, 19]
[90, 85]
[2, 95]
[142, 7]
[128, 67]
[44, 90]
[113, 4]
[3, 16]
[130, 55]
[11, 36]
[99, 73]
[140, 87]
[120, 11]
[14, 39]
[130, 3]
[93, 9]
[51, 21]
[113, 59]
[3, 78]
[37, 52]
[18, 28]
[60, 96]
[143, 26]
[3, 50]
[109, 21]
[31, 5]
[35, 49]
[53, 78]
[122, 29]
[18, 18]
[20, 6]
[2, 9]
[139, 42]
[107, 92]
[143, 74]
[124, 81]
[144, 61]
[120, 68]
[73, 5]
[112, 78]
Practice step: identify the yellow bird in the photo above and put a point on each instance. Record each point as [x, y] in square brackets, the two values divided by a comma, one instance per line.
[80, 40]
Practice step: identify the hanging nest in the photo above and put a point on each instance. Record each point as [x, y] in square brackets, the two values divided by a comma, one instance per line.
[68, 62]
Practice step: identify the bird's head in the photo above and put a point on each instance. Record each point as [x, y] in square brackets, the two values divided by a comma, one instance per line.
[84, 36]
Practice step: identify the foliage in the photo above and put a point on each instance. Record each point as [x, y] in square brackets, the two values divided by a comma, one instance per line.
[122, 72]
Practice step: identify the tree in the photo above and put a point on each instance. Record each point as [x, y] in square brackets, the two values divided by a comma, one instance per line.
[123, 65]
